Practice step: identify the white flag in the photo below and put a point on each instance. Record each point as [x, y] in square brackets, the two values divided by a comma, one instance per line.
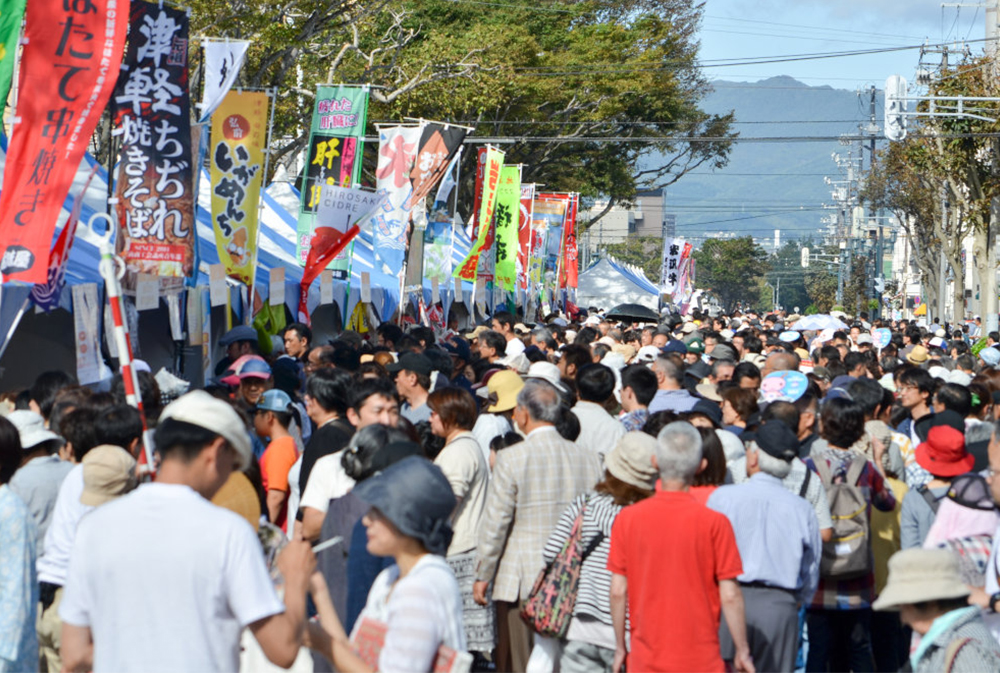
[223, 60]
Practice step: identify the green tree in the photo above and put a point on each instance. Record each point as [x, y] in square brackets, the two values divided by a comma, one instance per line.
[732, 268]
[644, 252]
[822, 288]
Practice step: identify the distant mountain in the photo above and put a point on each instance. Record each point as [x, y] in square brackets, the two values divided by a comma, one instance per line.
[763, 177]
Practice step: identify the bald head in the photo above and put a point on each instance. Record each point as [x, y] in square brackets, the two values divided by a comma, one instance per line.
[780, 361]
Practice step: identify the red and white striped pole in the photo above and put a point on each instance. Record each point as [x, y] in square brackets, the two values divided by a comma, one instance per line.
[112, 268]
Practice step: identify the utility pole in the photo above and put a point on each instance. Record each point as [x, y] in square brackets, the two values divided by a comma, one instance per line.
[988, 288]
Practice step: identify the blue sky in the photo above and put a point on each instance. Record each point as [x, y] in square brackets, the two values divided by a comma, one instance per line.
[739, 29]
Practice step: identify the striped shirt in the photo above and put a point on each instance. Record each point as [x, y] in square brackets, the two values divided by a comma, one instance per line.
[594, 589]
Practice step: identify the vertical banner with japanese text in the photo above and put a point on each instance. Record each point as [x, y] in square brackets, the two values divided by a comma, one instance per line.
[673, 249]
[11, 18]
[239, 133]
[484, 217]
[438, 144]
[570, 269]
[397, 149]
[524, 234]
[333, 157]
[507, 216]
[154, 183]
[69, 64]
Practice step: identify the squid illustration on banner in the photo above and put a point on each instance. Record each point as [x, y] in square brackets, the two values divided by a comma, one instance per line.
[484, 217]
[64, 82]
[397, 149]
[154, 183]
[239, 133]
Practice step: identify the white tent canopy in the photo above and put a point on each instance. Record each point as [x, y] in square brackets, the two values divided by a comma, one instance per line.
[608, 284]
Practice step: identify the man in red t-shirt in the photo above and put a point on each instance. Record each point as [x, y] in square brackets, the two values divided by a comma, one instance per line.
[675, 562]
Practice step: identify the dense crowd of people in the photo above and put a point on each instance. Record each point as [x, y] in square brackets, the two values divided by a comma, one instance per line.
[704, 493]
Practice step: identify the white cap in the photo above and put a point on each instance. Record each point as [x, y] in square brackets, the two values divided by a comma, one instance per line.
[201, 409]
[31, 428]
[727, 334]
[547, 372]
[647, 354]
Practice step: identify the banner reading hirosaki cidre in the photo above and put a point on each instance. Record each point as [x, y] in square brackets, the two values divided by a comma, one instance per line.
[239, 133]
[333, 157]
[65, 80]
[155, 177]
[493, 164]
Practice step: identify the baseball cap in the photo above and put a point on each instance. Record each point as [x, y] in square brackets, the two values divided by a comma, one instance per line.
[201, 409]
[675, 346]
[239, 333]
[412, 362]
[777, 439]
[647, 354]
[246, 366]
[865, 339]
[990, 356]
[505, 385]
[723, 352]
[696, 346]
[31, 428]
[458, 348]
[274, 400]
[108, 472]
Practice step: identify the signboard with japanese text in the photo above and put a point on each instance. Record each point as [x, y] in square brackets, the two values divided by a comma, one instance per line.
[491, 181]
[333, 157]
[69, 64]
[155, 177]
[239, 133]
[506, 218]
[673, 253]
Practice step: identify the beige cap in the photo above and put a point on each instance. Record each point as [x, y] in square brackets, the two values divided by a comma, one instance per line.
[919, 575]
[631, 460]
[108, 472]
[918, 355]
[201, 409]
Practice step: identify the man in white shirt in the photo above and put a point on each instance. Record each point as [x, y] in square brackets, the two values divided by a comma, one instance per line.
[163, 580]
[503, 322]
[599, 430]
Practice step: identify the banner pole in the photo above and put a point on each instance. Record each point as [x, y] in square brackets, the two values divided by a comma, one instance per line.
[272, 94]
[17, 321]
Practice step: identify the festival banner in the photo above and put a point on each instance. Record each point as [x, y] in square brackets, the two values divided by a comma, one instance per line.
[438, 144]
[524, 234]
[484, 217]
[333, 157]
[65, 78]
[546, 218]
[671, 263]
[90, 367]
[154, 184]
[551, 212]
[449, 181]
[566, 257]
[506, 220]
[223, 60]
[438, 241]
[45, 295]
[11, 18]
[397, 149]
[239, 134]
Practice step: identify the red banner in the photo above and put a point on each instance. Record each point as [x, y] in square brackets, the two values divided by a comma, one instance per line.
[524, 234]
[69, 66]
[568, 272]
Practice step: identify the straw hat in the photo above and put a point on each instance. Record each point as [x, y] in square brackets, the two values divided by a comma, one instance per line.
[919, 575]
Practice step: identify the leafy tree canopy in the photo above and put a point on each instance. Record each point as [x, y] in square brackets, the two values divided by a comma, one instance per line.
[732, 268]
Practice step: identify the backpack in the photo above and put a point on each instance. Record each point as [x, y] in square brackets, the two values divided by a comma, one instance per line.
[929, 498]
[848, 553]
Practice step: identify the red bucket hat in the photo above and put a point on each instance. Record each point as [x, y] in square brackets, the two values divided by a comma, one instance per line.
[944, 454]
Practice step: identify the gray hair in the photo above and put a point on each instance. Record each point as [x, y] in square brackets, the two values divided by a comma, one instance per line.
[776, 467]
[544, 335]
[541, 400]
[666, 366]
[678, 452]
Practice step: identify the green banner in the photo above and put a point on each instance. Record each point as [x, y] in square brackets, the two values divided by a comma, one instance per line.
[506, 216]
[11, 17]
[333, 157]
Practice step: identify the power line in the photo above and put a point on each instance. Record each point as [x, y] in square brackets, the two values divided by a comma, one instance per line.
[799, 25]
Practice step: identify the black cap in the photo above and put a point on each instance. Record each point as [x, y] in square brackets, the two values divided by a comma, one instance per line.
[947, 417]
[777, 439]
[412, 362]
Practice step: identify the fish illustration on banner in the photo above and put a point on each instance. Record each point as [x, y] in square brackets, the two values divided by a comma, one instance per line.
[154, 183]
[524, 234]
[65, 79]
[223, 60]
[492, 165]
[506, 219]
[239, 133]
[439, 143]
[333, 157]
[397, 149]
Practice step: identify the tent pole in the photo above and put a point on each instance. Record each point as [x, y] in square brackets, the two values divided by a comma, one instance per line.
[13, 327]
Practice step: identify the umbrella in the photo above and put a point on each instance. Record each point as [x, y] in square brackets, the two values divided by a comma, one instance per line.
[818, 322]
[633, 313]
